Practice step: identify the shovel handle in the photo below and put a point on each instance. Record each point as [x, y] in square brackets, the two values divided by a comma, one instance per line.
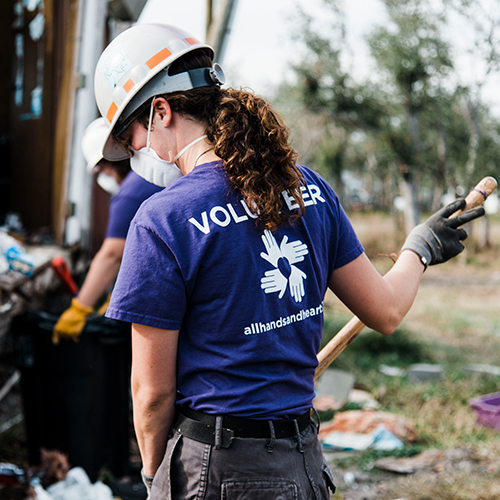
[355, 326]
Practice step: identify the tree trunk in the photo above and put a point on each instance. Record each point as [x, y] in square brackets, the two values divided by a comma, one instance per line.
[411, 211]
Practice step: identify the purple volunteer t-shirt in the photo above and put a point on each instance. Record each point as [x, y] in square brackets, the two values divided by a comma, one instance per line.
[124, 204]
[248, 303]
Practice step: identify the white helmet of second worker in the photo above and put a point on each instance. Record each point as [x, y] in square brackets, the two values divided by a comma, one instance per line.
[93, 141]
[134, 68]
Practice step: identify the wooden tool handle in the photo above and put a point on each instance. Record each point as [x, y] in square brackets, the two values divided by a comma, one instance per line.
[354, 327]
[479, 194]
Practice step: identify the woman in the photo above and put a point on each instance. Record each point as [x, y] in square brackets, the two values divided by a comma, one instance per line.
[128, 191]
[224, 276]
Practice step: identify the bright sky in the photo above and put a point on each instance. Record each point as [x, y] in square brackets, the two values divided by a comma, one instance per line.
[261, 46]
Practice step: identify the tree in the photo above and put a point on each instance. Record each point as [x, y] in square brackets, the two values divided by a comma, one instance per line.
[408, 121]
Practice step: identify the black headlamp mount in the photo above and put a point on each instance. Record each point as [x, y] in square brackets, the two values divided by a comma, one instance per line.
[163, 83]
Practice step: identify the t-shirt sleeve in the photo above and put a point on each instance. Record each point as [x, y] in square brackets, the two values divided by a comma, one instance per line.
[349, 247]
[121, 212]
[150, 288]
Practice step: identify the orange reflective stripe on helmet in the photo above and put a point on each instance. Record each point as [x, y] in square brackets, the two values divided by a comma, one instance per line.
[111, 112]
[128, 86]
[158, 58]
[127, 70]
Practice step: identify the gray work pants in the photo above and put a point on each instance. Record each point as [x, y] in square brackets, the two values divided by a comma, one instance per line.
[250, 469]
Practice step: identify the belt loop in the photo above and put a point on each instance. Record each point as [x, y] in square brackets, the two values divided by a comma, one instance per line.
[273, 437]
[218, 432]
[300, 447]
[317, 418]
[299, 439]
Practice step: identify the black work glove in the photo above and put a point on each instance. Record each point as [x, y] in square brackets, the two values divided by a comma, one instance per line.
[439, 238]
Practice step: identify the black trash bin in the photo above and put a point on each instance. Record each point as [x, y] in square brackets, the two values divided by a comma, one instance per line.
[76, 396]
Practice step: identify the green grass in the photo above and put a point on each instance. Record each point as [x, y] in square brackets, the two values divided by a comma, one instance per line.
[438, 409]
[454, 321]
[370, 349]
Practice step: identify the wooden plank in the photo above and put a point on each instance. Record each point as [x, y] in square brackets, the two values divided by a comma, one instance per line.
[65, 118]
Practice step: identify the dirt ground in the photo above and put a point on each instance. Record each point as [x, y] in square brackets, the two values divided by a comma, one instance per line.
[456, 310]
[449, 477]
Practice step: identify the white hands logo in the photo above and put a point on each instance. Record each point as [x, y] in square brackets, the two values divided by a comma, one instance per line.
[283, 258]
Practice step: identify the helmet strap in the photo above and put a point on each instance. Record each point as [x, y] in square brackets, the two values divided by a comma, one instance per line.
[148, 137]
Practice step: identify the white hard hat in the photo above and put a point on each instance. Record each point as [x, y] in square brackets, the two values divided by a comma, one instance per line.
[93, 141]
[126, 71]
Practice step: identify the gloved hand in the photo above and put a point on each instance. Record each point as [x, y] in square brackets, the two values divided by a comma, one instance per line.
[71, 322]
[439, 238]
[148, 482]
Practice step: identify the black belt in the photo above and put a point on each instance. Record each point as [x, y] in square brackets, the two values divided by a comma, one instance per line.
[202, 427]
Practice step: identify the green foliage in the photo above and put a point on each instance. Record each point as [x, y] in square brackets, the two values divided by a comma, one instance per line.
[409, 120]
[412, 51]
[371, 349]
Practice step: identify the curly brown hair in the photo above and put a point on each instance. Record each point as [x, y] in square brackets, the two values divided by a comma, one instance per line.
[250, 138]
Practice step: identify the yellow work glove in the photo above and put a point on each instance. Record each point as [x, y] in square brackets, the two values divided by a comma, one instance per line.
[71, 322]
[102, 310]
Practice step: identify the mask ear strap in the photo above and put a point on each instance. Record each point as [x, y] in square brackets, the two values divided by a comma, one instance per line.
[148, 142]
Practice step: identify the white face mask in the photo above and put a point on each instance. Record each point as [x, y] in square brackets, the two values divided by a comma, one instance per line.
[108, 183]
[146, 162]
[151, 167]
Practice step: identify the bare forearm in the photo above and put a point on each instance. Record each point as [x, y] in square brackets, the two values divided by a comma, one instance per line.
[154, 354]
[102, 272]
[380, 302]
[400, 287]
[152, 424]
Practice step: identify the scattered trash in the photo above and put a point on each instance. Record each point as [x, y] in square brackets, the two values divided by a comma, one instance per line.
[75, 486]
[11, 475]
[365, 421]
[17, 257]
[40, 493]
[332, 389]
[13, 222]
[326, 402]
[421, 372]
[426, 459]
[384, 439]
[482, 369]
[336, 440]
[349, 478]
[54, 467]
[53, 479]
[487, 410]
[364, 399]
[392, 371]
[379, 439]
[4, 264]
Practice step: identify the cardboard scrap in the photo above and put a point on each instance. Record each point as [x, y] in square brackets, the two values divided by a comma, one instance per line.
[379, 439]
[429, 459]
[332, 389]
[365, 421]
